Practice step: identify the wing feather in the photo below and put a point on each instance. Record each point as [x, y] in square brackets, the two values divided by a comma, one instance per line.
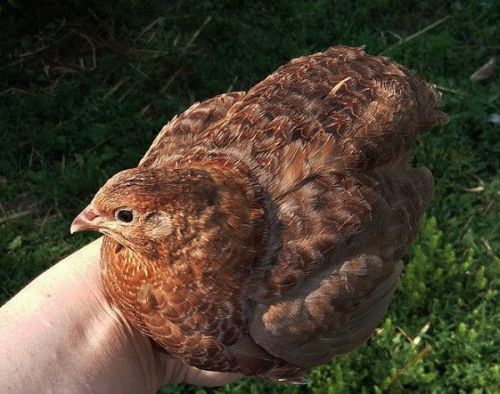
[342, 242]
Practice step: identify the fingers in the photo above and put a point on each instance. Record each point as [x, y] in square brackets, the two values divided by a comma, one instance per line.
[210, 378]
[175, 371]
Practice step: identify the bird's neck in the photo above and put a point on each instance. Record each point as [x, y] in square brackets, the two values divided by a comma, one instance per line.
[243, 230]
[246, 223]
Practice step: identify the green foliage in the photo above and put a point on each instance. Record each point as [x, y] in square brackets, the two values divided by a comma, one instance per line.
[85, 86]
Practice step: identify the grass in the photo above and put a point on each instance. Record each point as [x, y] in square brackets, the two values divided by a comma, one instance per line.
[85, 86]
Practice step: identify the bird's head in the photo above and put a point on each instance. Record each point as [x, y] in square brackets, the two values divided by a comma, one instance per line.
[169, 213]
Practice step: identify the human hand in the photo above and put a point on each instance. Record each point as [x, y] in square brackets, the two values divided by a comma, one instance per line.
[60, 334]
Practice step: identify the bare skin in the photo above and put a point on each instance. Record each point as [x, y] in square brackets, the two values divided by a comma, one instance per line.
[59, 334]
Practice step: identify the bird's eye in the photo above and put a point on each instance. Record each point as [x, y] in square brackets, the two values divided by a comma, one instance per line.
[124, 215]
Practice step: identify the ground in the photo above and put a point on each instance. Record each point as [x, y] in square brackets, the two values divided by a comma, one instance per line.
[85, 86]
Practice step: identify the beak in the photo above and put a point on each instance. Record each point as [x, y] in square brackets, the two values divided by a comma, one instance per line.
[88, 220]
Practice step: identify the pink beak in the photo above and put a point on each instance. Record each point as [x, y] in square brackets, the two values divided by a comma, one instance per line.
[88, 220]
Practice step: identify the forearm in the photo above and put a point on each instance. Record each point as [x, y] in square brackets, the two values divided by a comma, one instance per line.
[60, 338]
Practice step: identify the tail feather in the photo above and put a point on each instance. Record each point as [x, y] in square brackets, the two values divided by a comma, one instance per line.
[386, 127]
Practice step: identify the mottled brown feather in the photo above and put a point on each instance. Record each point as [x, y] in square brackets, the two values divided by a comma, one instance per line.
[276, 220]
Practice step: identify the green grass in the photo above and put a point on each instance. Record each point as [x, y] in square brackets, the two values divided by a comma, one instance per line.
[67, 124]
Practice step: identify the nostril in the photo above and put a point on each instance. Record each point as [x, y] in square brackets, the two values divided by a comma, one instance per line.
[90, 214]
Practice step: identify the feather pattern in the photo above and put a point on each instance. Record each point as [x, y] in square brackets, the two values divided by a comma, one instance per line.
[271, 224]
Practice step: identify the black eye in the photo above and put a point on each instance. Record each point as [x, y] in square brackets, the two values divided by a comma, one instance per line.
[124, 215]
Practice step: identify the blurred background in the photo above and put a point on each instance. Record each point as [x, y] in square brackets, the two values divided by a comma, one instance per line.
[86, 85]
